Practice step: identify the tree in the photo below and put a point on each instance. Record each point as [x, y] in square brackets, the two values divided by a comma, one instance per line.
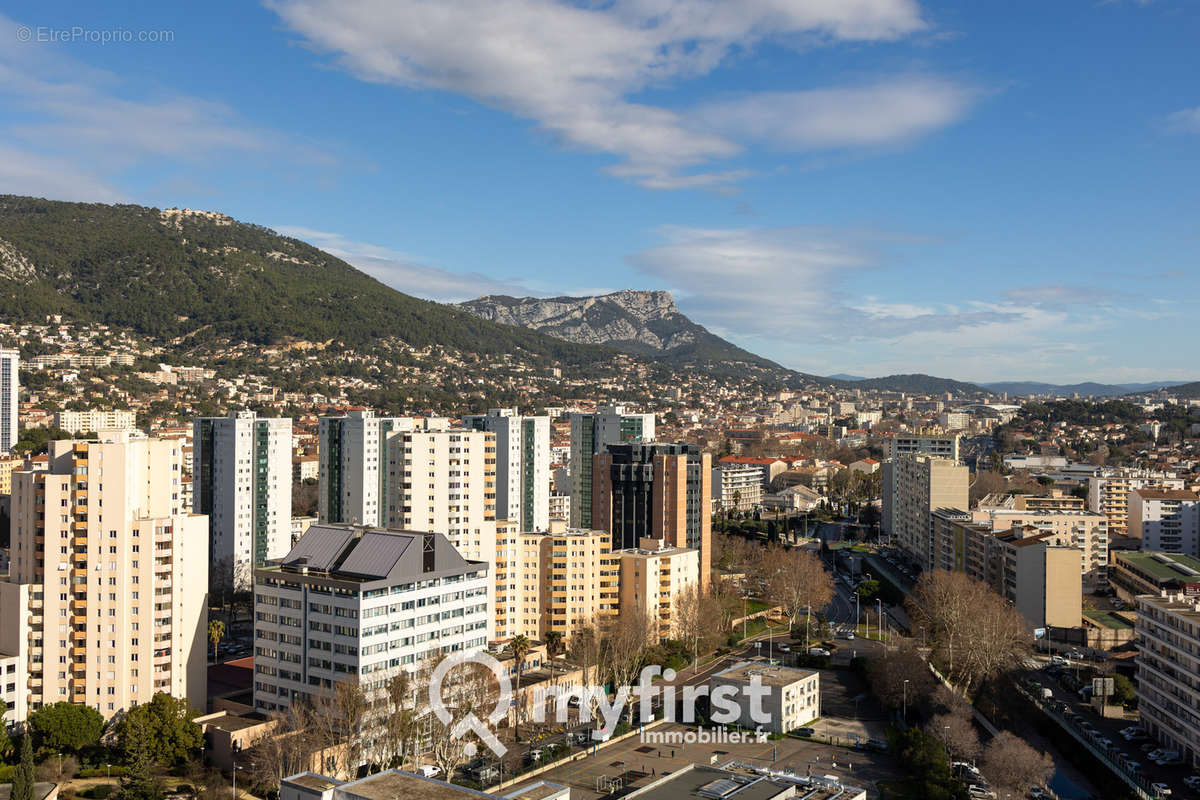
[900, 663]
[955, 728]
[798, 581]
[868, 590]
[698, 620]
[216, 632]
[338, 719]
[1123, 691]
[159, 732]
[623, 646]
[974, 632]
[140, 781]
[555, 647]
[22, 785]
[520, 648]
[6, 744]
[1015, 767]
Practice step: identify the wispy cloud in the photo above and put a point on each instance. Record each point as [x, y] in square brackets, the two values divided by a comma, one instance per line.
[576, 69]
[1186, 120]
[80, 127]
[404, 272]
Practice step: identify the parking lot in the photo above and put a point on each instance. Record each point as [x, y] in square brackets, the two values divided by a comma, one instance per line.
[1104, 735]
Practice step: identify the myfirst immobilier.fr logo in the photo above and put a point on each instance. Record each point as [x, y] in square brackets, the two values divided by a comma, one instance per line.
[594, 702]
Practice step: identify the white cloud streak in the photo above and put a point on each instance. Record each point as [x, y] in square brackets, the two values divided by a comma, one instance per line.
[575, 69]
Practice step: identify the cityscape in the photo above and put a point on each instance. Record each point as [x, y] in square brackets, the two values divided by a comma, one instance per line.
[597, 401]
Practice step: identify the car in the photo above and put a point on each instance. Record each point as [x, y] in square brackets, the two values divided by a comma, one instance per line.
[1155, 754]
[849, 634]
[975, 790]
[1149, 747]
[1057, 659]
[1192, 782]
[818, 651]
[1160, 789]
[809, 732]
[429, 770]
[783, 648]
[1075, 654]
[1133, 766]
[1038, 793]
[877, 745]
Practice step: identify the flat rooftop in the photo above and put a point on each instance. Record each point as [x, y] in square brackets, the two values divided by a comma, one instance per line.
[770, 675]
[702, 782]
[397, 785]
[1107, 619]
[1162, 566]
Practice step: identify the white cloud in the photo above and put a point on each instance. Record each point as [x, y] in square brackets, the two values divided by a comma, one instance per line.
[55, 178]
[886, 113]
[1184, 121]
[574, 69]
[404, 272]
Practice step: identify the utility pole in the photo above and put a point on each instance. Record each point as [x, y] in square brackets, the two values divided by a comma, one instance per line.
[906, 701]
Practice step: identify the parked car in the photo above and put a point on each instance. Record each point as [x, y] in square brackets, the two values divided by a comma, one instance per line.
[818, 651]
[1057, 659]
[877, 745]
[809, 732]
[1160, 789]
[429, 770]
[1192, 782]
[783, 648]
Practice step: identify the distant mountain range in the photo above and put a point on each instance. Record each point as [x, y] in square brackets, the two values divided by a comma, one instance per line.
[1087, 389]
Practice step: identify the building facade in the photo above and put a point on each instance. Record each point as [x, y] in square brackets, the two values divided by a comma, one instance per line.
[737, 487]
[590, 434]
[791, 698]
[1166, 520]
[522, 465]
[1084, 530]
[915, 485]
[94, 421]
[105, 602]
[655, 491]
[242, 480]
[1168, 663]
[10, 398]
[352, 469]
[654, 577]
[1108, 492]
[350, 602]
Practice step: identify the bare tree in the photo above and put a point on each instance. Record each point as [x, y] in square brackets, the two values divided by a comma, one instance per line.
[1013, 766]
[474, 691]
[896, 666]
[623, 646]
[975, 633]
[697, 620]
[286, 749]
[955, 728]
[798, 581]
[338, 720]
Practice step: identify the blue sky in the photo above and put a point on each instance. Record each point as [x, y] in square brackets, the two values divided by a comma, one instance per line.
[985, 191]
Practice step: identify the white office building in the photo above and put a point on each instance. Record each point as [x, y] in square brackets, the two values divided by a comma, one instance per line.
[522, 466]
[791, 697]
[242, 479]
[590, 434]
[350, 602]
[352, 467]
[10, 396]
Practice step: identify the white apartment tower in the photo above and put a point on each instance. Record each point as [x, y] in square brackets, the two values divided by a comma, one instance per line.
[352, 467]
[590, 434]
[10, 395]
[1166, 520]
[355, 603]
[105, 601]
[522, 465]
[242, 479]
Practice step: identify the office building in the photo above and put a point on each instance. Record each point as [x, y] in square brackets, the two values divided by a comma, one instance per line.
[1166, 520]
[915, 485]
[522, 465]
[94, 420]
[791, 698]
[590, 434]
[242, 480]
[655, 491]
[1168, 660]
[352, 467]
[10, 399]
[105, 601]
[654, 577]
[1108, 492]
[350, 602]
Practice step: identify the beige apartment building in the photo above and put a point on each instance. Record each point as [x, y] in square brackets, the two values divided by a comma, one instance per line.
[913, 486]
[1108, 492]
[554, 580]
[1168, 662]
[1084, 530]
[653, 577]
[106, 594]
[8, 464]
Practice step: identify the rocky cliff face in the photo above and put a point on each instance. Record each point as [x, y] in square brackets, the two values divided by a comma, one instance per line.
[648, 320]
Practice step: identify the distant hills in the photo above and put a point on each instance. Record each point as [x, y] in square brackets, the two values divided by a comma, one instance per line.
[1087, 389]
[645, 323]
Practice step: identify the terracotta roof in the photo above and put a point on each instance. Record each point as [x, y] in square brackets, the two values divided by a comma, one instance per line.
[1166, 494]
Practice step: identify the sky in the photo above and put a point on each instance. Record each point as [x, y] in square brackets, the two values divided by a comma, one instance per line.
[984, 191]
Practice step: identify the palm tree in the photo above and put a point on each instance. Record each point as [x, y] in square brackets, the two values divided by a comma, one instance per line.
[216, 632]
[520, 648]
[555, 646]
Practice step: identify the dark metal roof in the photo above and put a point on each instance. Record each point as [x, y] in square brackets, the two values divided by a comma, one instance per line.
[376, 554]
[319, 547]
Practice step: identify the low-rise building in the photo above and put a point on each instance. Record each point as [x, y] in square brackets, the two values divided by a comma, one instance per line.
[393, 784]
[1134, 573]
[791, 699]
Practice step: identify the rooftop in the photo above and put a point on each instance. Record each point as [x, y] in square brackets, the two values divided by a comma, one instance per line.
[1107, 619]
[701, 782]
[1162, 566]
[1166, 494]
[770, 675]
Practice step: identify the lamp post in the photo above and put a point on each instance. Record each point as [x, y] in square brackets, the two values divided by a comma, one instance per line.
[235, 772]
[906, 701]
[108, 771]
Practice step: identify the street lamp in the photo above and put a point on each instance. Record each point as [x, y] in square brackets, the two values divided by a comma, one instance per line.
[906, 701]
[108, 771]
[235, 772]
